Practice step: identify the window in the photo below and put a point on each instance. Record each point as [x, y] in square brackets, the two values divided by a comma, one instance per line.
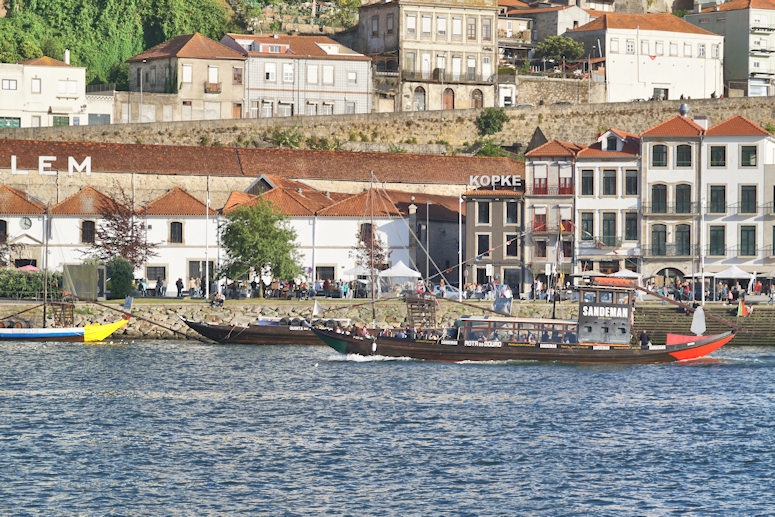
[426, 25]
[701, 50]
[683, 156]
[644, 47]
[587, 226]
[659, 240]
[3, 231]
[471, 28]
[631, 182]
[512, 248]
[659, 155]
[365, 232]
[9, 84]
[611, 143]
[328, 74]
[389, 23]
[512, 212]
[683, 240]
[287, 72]
[687, 50]
[614, 45]
[87, 232]
[630, 46]
[717, 245]
[659, 48]
[714, 50]
[352, 78]
[349, 108]
[540, 186]
[36, 85]
[237, 75]
[486, 29]
[748, 199]
[748, 156]
[471, 68]
[176, 233]
[683, 199]
[411, 24]
[718, 156]
[312, 74]
[659, 199]
[587, 182]
[539, 222]
[747, 240]
[457, 28]
[483, 212]
[441, 27]
[631, 226]
[718, 199]
[61, 120]
[609, 182]
[609, 228]
[540, 249]
[483, 245]
[374, 25]
[270, 72]
[673, 48]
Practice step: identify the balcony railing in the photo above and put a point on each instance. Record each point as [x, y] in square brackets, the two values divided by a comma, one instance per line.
[744, 209]
[671, 250]
[514, 36]
[601, 242]
[680, 209]
[440, 75]
[212, 87]
[532, 190]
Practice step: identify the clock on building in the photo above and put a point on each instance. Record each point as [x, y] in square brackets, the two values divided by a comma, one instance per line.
[25, 223]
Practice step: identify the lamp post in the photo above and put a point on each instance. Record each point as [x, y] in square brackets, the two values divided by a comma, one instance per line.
[140, 110]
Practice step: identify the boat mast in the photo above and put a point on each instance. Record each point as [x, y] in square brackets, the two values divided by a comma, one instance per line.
[371, 251]
[45, 264]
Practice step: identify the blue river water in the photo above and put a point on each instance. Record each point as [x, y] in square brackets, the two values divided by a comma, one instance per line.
[175, 428]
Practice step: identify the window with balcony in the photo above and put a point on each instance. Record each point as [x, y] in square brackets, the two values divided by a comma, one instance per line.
[659, 199]
[718, 199]
[609, 228]
[631, 226]
[659, 240]
[683, 156]
[609, 182]
[659, 155]
[683, 199]
[747, 241]
[718, 156]
[483, 212]
[540, 186]
[539, 222]
[565, 186]
[587, 226]
[717, 245]
[683, 240]
[748, 156]
[587, 182]
[748, 199]
[631, 182]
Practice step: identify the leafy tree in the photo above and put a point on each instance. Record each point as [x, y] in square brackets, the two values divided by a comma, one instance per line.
[559, 48]
[259, 238]
[120, 233]
[491, 149]
[491, 120]
[346, 12]
[120, 276]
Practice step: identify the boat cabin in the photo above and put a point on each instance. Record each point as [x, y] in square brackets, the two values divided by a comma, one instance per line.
[605, 314]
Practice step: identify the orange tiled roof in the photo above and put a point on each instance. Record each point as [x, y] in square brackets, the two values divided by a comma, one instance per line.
[368, 203]
[663, 22]
[240, 162]
[194, 46]
[737, 126]
[87, 201]
[176, 201]
[539, 10]
[630, 149]
[512, 3]
[490, 193]
[44, 61]
[236, 199]
[676, 126]
[555, 148]
[738, 5]
[16, 202]
[298, 46]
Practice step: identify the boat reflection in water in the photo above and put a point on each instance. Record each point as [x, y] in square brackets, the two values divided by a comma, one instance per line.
[602, 334]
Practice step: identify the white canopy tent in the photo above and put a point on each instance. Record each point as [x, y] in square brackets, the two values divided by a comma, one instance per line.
[400, 270]
[734, 273]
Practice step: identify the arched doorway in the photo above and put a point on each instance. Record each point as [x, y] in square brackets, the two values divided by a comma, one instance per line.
[448, 99]
[419, 99]
[477, 99]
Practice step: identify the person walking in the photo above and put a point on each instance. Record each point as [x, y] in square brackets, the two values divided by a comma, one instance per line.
[179, 285]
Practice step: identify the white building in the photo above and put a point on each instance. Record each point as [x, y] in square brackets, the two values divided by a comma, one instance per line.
[302, 75]
[654, 56]
[748, 28]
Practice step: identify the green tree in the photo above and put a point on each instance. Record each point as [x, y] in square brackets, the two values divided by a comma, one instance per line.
[559, 48]
[491, 149]
[346, 12]
[259, 238]
[120, 276]
[491, 120]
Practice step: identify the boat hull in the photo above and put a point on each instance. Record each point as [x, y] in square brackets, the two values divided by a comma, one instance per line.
[456, 351]
[255, 334]
[91, 333]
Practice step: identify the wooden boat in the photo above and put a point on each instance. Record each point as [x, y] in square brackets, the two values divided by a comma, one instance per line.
[602, 334]
[91, 333]
[266, 331]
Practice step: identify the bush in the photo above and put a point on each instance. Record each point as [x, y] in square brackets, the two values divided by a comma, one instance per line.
[491, 120]
[120, 274]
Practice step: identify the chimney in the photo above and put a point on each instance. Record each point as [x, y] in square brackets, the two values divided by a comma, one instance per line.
[67, 56]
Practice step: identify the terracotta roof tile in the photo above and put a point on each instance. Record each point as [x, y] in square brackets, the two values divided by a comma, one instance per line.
[195, 46]
[738, 5]
[87, 201]
[44, 61]
[737, 126]
[16, 202]
[176, 201]
[366, 204]
[555, 148]
[236, 199]
[293, 46]
[676, 126]
[490, 193]
[663, 22]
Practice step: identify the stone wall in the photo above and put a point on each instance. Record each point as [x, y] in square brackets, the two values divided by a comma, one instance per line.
[579, 123]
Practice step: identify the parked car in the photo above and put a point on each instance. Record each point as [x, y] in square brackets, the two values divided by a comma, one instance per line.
[446, 291]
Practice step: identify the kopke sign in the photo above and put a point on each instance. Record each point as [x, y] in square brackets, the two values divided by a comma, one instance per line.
[45, 164]
[495, 181]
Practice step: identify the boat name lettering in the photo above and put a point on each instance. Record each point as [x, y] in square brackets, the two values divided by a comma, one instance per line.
[657, 347]
[495, 179]
[448, 342]
[605, 312]
[46, 162]
[297, 327]
[601, 347]
[490, 344]
[547, 345]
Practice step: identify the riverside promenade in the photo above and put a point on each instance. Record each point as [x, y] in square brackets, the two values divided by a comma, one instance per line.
[158, 318]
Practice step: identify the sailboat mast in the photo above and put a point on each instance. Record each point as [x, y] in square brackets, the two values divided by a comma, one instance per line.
[371, 251]
[45, 265]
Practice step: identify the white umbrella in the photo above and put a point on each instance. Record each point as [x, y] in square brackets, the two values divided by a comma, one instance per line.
[357, 270]
[625, 273]
[400, 270]
[734, 272]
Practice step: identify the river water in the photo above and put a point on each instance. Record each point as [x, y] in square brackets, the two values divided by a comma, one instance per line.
[179, 428]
